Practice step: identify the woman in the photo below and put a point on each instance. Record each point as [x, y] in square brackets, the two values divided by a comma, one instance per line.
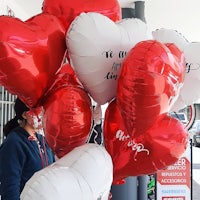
[23, 152]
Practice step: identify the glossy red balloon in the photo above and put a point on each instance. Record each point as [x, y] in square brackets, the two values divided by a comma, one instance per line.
[66, 11]
[31, 53]
[180, 58]
[63, 77]
[149, 81]
[67, 74]
[67, 118]
[160, 146]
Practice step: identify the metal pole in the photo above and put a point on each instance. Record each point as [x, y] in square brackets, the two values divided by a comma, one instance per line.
[142, 187]
[138, 11]
[127, 191]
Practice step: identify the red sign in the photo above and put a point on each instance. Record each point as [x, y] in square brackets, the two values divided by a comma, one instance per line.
[174, 182]
[177, 174]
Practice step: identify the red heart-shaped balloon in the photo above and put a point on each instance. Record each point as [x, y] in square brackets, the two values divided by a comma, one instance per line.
[67, 117]
[179, 58]
[66, 11]
[160, 146]
[149, 81]
[64, 76]
[31, 53]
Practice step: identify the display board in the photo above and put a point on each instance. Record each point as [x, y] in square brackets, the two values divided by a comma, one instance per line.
[174, 183]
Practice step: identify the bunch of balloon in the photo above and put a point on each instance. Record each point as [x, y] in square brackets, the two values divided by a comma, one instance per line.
[101, 50]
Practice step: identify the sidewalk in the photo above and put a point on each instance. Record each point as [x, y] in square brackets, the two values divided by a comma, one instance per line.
[196, 173]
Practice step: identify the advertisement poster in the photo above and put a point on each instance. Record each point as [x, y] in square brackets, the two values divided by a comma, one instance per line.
[174, 183]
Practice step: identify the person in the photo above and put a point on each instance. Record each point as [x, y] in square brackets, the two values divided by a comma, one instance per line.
[23, 152]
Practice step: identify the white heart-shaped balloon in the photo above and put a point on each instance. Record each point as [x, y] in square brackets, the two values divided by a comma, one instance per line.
[97, 47]
[170, 36]
[190, 92]
[85, 173]
[186, 95]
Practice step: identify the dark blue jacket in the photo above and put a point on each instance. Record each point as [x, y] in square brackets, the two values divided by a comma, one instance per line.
[20, 158]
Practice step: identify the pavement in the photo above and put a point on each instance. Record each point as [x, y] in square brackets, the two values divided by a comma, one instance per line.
[196, 173]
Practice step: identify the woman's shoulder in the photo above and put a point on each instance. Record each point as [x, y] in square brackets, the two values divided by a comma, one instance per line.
[17, 133]
[15, 137]
[13, 145]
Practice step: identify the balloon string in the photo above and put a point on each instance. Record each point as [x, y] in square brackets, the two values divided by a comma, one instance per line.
[41, 155]
[90, 135]
[96, 136]
[45, 151]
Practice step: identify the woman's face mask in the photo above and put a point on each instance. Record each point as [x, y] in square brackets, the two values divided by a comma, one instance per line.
[34, 117]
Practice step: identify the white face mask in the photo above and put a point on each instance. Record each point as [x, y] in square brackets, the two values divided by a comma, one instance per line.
[34, 117]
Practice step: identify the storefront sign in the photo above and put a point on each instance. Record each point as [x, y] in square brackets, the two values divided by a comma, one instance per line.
[174, 183]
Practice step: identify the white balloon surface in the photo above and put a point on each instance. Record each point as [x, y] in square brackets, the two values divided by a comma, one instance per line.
[97, 47]
[190, 91]
[170, 36]
[86, 173]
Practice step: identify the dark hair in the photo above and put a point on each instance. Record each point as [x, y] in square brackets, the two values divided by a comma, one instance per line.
[19, 108]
